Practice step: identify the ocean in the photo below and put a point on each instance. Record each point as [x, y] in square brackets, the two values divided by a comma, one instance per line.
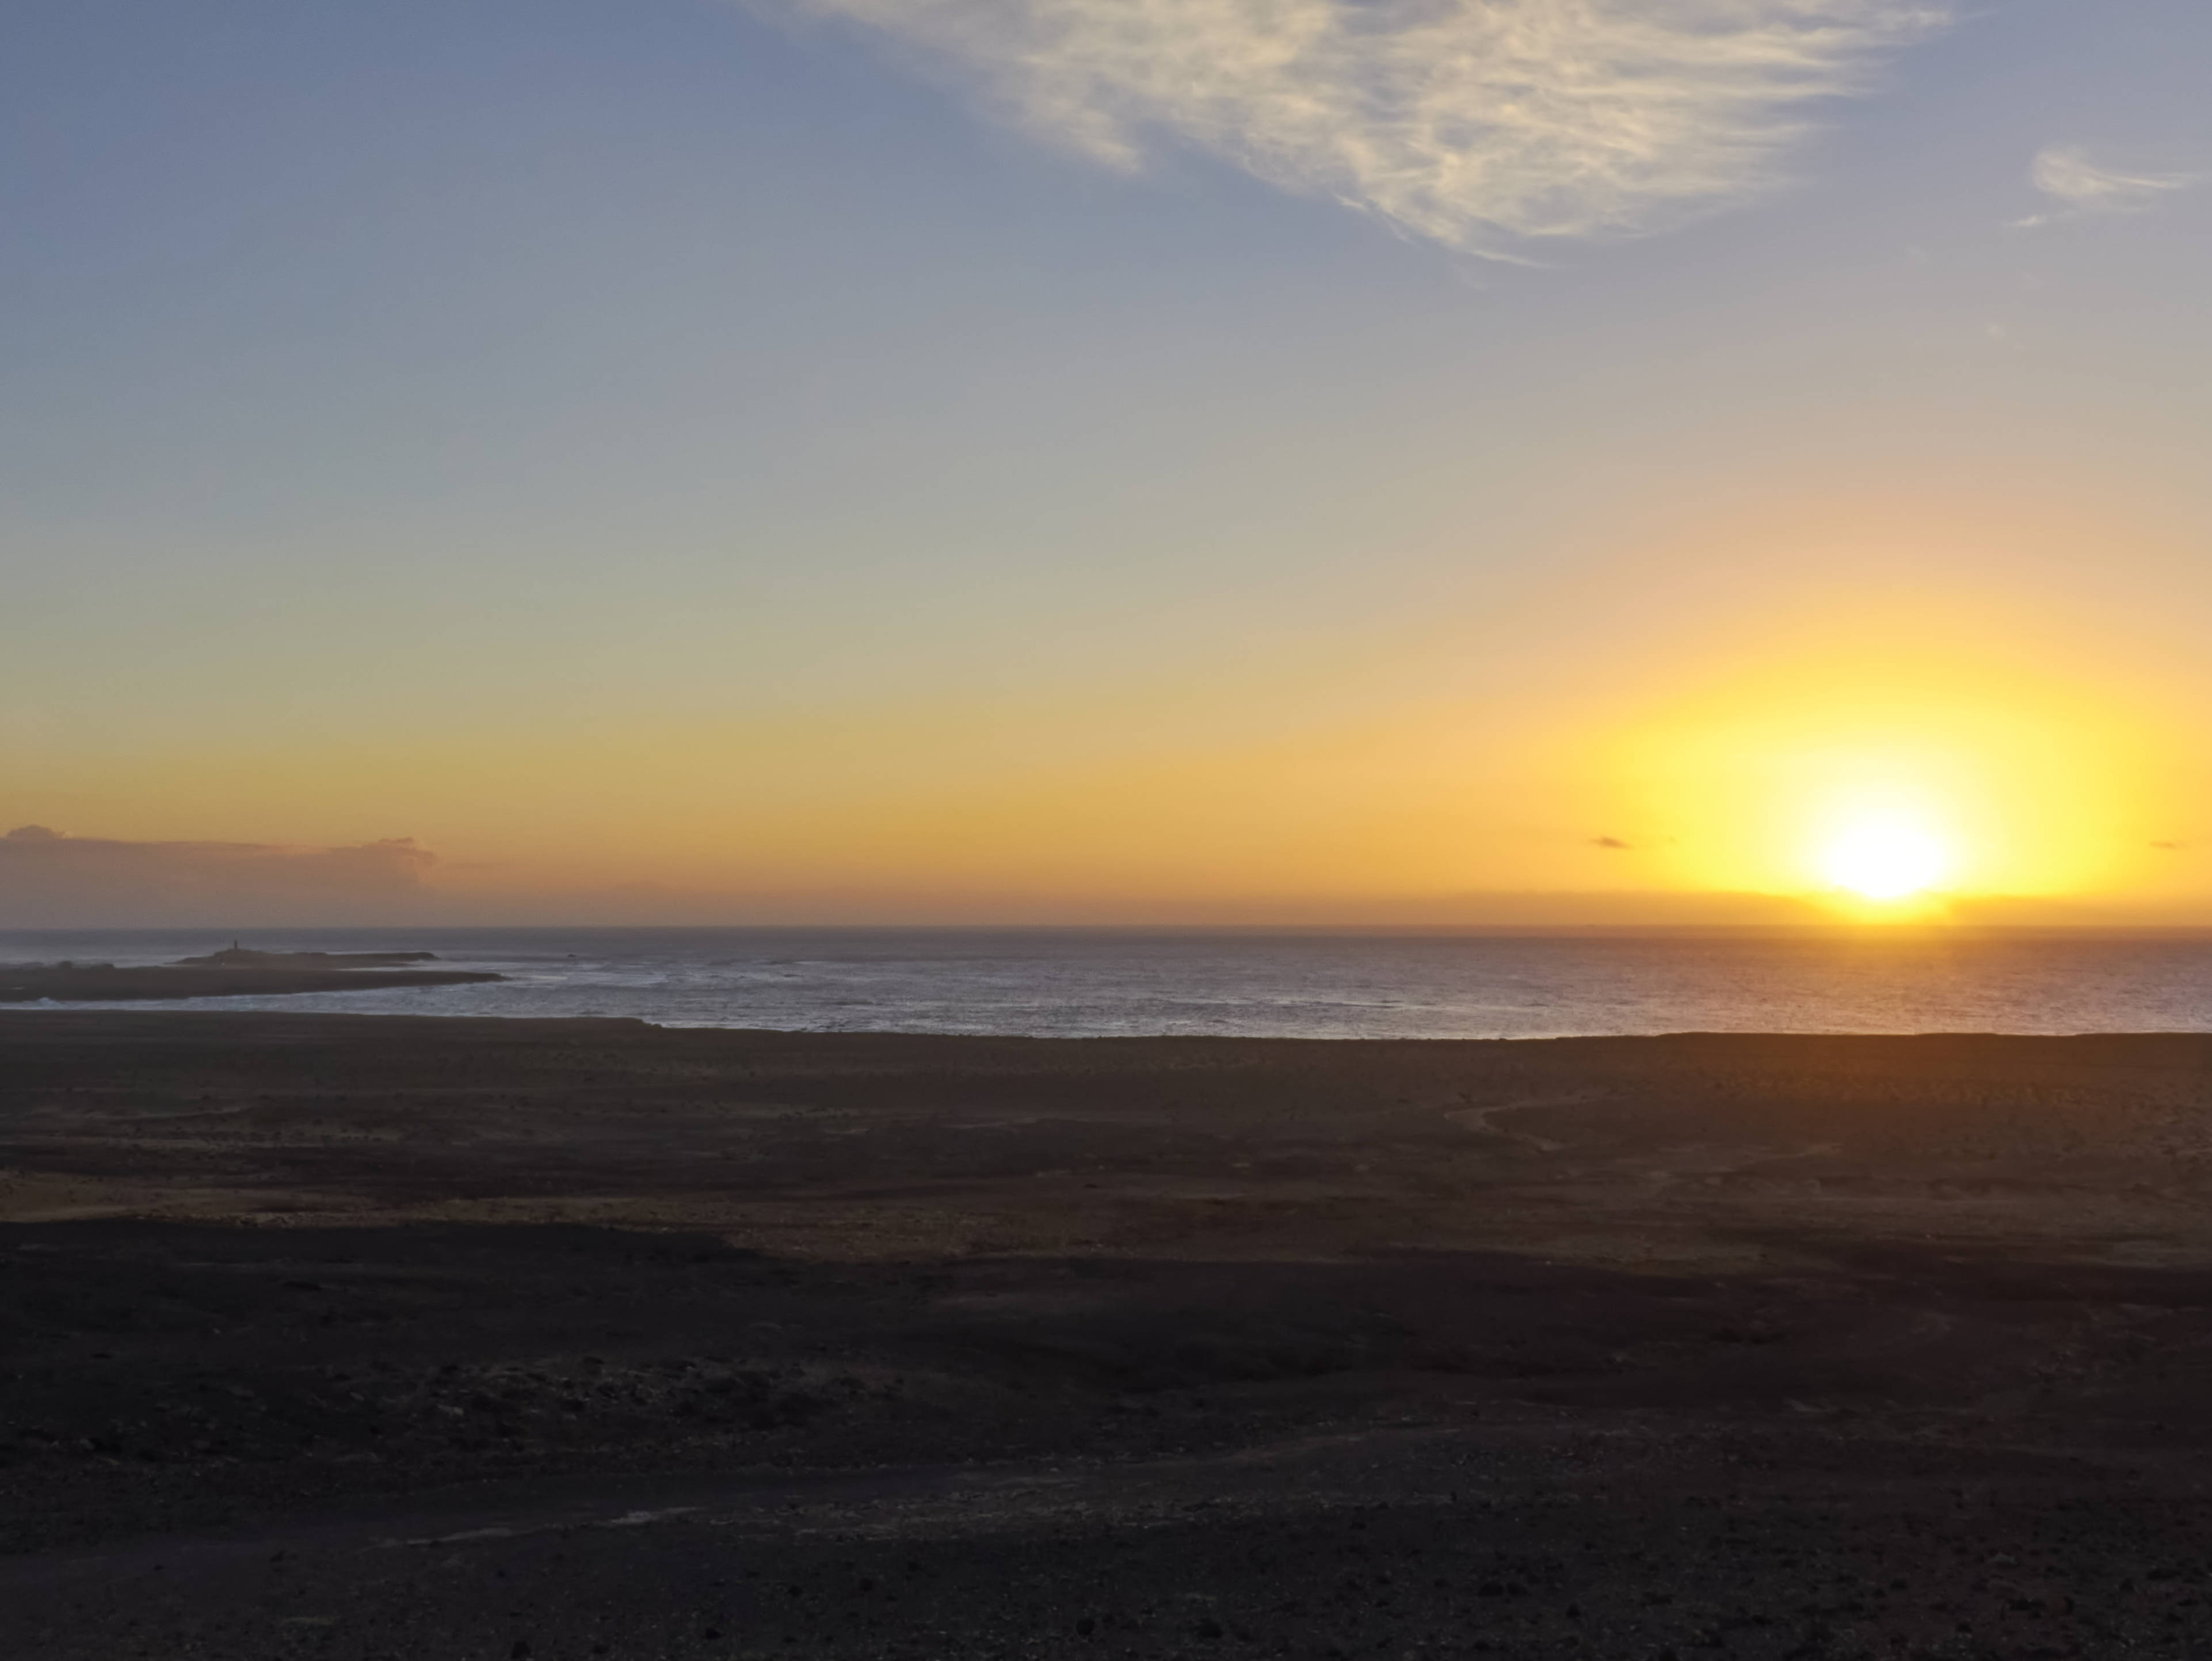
[1109, 983]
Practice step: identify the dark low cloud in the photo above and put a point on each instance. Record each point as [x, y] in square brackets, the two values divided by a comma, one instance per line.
[1613, 842]
[2171, 847]
[50, 880]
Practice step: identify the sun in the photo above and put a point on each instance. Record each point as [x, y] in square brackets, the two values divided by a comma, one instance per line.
[1887, 858]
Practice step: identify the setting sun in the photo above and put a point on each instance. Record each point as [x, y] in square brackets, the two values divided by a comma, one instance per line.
[1887, 859]
[1898, 783]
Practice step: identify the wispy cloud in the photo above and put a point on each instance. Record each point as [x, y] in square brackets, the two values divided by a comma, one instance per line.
[2065, 173]
[1476, 123]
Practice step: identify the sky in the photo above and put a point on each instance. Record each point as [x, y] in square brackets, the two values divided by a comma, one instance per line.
[1410, 462]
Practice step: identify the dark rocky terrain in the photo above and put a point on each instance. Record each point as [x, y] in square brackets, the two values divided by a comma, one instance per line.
[234, 955]
[358, 1337]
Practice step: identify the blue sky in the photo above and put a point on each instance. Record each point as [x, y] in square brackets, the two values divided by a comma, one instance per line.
[378, 374]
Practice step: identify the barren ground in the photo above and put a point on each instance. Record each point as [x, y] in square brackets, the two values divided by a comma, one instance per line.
[353, 1337]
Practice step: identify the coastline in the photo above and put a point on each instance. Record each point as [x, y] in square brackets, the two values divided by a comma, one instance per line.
[1071, 984]
[104, 984]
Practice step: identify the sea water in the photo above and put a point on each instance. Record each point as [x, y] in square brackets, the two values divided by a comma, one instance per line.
[1106, 982]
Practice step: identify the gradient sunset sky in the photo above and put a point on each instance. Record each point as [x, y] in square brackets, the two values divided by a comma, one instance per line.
[1397, 460]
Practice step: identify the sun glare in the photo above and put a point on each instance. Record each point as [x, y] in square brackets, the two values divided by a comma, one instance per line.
[1888, 787]
[1887, 859]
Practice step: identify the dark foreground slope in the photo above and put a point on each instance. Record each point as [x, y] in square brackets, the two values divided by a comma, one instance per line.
[374, 1337]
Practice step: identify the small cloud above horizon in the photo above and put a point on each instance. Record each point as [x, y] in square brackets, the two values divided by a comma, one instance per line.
[1475, 124]
[2080, 187]
[1613, 842]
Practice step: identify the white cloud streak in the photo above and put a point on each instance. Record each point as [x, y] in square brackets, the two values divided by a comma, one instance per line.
[2064, 173]
[1474, 122]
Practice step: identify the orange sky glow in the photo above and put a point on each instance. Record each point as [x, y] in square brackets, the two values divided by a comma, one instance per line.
[1035, 492]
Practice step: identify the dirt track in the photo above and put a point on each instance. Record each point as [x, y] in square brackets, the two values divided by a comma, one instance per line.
[353, 1337]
